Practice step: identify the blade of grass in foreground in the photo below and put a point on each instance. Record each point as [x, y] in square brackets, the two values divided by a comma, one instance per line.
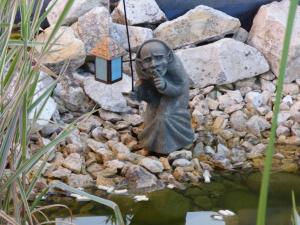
[261, 215]
[296, 217]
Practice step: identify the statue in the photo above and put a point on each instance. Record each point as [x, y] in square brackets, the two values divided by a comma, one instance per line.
[164, 85]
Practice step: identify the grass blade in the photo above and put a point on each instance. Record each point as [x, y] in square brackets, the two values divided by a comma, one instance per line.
[261, 216]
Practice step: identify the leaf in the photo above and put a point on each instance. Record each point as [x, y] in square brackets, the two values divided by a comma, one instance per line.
[296, 217]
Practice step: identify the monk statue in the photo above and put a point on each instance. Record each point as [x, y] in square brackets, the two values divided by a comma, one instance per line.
[164, 85]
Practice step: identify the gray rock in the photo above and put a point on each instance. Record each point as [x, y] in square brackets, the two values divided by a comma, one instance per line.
[94, 145]
[87, 124]
[198, 25]
[115, 164]
[183, 154]
[118, 147]
[110, 97]
[59, 173]
[283, 130]
[198, 149]
[154, 166]
[291, 89]
[105, 154]
[209, 150]
[295, 111]
[222, 152]
[133, 119]
[79, 180]
[213, 63]
[93, 26]
[283, 117]
[296, 129]
[257, 124]
[137, 35]
[138, 12]
[267, 85]
[139, 178]
[241, 35]
[109, 116]
[254, 98]
[229, 99]
[267, 24]
[67, 49]
[78, 9]
[238, 155]
[73, 162]
[71, 98]
[238, 121]
[181, 163]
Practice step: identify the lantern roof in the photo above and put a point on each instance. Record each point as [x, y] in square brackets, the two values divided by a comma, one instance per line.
[108, 49]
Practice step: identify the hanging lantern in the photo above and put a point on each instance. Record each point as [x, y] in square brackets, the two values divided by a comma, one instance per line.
[108, 61]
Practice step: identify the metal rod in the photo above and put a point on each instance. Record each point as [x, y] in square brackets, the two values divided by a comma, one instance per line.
[129, 47]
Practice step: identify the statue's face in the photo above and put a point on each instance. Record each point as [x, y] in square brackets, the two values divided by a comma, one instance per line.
[155, 58]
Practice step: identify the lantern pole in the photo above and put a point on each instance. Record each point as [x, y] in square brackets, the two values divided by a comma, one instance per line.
[129, 46]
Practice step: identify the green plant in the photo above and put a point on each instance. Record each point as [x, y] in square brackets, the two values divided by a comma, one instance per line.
[295, 217]
[261, 216]
[20, 66]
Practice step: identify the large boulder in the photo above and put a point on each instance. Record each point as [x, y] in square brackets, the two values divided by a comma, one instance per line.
[137, 35]
[197, 25]
[138, 12]
[267, 35]
[93, 26]
[222, 62]
[46, 107]
[78, 9]
[66, 49]
[109, 96]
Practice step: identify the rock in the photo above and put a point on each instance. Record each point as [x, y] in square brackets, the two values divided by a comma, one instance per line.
[291, 89]
[108, 172]
[267, 85]
[59, 173]
[283, 117]
[198, 25]
[154, 166]
[238, 121]
[110, 97]
[115, 164]
[296, 130]
[181, 163]
[94, 145]
[94, 169]
[257, 124]
[234, 108]
[109, 116]
[130, 157]
[212, 104]
[75, 139]
[139, 178]
[254, 98]
[138, 12]
[70, 98]
[165, 163]
[288, 100]
[183, 154]
[67, 49]
[118, 147]
[295, 111]
[93, 26]
[267, 35]
[133, 119]
[282, 130]
[105, 154]
[110, 134]
[219, 124]
[213, 63]
[229, 99]
[89, 123]
[238, 155]
[79, 180]
[222, 152]
[47, 105]
[137, 35]
[78, 9]
[108, 182]
[73, 162]
[180, 175]
[241, 35]
[209, 150]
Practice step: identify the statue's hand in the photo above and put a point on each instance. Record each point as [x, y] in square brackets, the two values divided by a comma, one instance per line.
[160, 83]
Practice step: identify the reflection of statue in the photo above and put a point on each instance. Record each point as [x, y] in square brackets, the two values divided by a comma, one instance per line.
[164, 85]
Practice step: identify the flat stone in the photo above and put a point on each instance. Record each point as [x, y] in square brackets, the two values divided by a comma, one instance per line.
[183, 154]
[110, 97]
[79, 180]
[198, 25]
[229, 99]
[257, 124]
[181, 163]
[73, 162]
[133, 119]
[115, 164]
[238, 121]
[59, 173]
[154, 166]
[295, 111]
[213, 63]
[138, 12]
[254, 98]
[118, 147]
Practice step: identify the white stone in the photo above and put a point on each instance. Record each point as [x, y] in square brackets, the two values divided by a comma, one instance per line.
[282, 130]
[109, 96]
[241, 35]
[267, 85]
[137, 35]
[255, 98]
[79, 7]
[154, 166]
[288, 100]
[181, 163]
[138, 12]
[295, 111]
[229, 99]
[257, 124]
[93, 26]
[197, 25]
[238, 121]
[291, 89]
[222, 62]
[267, 35]
[67, 48]
[283, 117]
[47, 110]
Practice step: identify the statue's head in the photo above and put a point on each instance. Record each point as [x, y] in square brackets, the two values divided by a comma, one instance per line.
[154, 56]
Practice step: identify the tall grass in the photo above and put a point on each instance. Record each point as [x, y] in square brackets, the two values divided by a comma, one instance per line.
[261, 216]
[20, 67]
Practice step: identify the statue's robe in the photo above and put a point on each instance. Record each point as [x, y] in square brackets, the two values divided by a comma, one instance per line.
[167, 121]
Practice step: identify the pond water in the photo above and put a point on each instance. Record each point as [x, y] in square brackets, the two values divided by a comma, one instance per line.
[193, 206]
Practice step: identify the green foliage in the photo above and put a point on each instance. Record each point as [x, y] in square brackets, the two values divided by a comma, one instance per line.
[261, 216]
[20, 67]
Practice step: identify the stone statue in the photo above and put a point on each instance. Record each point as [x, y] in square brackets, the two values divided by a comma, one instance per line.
[164, 85]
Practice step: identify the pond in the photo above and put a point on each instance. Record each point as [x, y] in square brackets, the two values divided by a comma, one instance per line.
[193, 206]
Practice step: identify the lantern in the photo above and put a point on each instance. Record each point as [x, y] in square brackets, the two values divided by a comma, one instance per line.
[108, 61]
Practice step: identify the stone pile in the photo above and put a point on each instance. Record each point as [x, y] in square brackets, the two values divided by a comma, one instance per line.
[233, 84]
